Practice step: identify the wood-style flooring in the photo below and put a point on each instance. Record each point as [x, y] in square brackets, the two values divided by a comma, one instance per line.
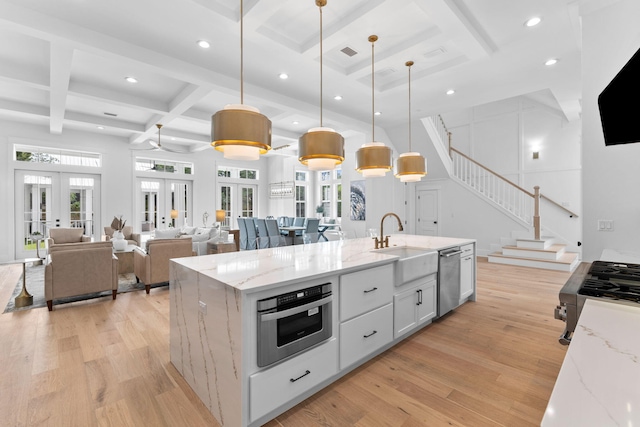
[106, 363]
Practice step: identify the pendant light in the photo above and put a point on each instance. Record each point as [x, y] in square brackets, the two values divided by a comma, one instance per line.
[321, 148]
[373, 159]
[239, 130]
[411, 165]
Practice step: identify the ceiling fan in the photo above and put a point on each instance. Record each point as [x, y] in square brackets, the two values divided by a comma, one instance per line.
[158, 145]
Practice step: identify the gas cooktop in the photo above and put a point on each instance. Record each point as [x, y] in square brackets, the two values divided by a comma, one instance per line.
[612, 280]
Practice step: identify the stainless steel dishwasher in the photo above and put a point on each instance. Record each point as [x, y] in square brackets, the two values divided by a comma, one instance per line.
[448, 280]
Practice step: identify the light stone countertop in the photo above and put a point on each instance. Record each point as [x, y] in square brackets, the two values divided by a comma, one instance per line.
[253, 270]
[599, 382]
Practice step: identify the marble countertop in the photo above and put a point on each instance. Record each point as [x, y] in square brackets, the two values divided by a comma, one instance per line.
[251, 271]
[599, 382]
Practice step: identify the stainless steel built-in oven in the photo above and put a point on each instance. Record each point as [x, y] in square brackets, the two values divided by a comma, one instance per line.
[292, 322]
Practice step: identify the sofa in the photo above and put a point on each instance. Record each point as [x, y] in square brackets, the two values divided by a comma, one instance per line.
[65, 236]
[199, 236]
[152, 266]
[131, 237]
[80, 268]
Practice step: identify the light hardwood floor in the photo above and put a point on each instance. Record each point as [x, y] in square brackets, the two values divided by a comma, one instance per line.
[106, 363]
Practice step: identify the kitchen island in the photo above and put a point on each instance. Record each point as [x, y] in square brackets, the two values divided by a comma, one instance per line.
[598, 383]
[214, 320]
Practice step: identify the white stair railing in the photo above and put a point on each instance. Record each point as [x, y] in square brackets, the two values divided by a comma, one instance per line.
[498, 190]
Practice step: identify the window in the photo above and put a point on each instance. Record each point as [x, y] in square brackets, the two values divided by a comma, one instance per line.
[163, 166]
[54, 156]
[231, 172]
[301, 193]
[330, 195]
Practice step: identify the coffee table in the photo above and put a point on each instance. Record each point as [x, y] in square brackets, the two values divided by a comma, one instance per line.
[125, 259]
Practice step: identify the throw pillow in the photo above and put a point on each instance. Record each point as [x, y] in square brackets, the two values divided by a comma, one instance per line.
[186, 230]
[170, 233]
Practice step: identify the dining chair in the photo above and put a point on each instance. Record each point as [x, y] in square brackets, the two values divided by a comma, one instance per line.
[262, 232]
[252, 235]
[311, 232]
[332, 235]
[243, 234]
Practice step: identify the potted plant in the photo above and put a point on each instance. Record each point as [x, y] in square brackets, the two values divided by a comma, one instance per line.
[119, 243]
[320, 210]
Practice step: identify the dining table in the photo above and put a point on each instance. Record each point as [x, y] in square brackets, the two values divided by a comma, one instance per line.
[324, 227]
[291, 230]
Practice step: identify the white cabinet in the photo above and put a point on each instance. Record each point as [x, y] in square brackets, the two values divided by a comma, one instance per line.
[467, 277]
[365, 334]
[415, 305]
[276, 386]
[365, 290]
[366, 313]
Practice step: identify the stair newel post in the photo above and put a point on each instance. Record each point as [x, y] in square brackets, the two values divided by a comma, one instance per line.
[536, 212]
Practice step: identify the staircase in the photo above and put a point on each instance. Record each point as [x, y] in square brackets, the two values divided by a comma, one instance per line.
[518, 203]
[544, 253]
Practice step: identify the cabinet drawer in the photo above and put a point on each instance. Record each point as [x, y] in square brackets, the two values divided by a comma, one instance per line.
[275, 386]
[467, 250]
[365, 334]
[365, 290]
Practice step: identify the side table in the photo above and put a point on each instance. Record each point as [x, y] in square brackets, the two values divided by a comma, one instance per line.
[24, 298]
[221, 247]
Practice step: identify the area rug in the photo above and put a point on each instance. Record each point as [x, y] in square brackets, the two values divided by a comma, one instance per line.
[35, 286]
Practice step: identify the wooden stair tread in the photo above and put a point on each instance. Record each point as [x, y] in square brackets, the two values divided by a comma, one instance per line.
[553, 248]
[566, 258]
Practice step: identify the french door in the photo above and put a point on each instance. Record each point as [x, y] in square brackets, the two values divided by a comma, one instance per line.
[237, 200]
[164, 203]
[53, 199]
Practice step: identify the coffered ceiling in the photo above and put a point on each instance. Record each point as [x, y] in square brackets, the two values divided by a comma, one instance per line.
[63, 63]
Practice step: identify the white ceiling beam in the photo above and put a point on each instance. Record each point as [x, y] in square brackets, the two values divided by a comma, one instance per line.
[25, 109]
[186, 99]
[61, 58]
[93, 121]
[96, 93]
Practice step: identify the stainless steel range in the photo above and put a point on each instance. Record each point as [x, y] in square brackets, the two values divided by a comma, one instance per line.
[617, 282]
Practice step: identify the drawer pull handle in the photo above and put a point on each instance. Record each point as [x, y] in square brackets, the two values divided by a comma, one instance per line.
[370, 290]
[372, 333]
[419, 291]
[293, 380]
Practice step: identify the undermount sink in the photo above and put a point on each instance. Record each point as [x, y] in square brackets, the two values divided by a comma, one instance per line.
[413, 263]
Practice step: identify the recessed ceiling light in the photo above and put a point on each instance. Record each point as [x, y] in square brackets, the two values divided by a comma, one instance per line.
[295, 122]
[551, 61]
[451, 92]
[532, 22]
[131, 79]
[284, 76]
[377, 113]
[204, 44]
[337, 97]
[173, 138]
[100, 127]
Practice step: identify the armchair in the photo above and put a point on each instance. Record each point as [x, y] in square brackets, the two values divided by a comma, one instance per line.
[63, 236]
[78, 269]
[152, 266]
[131, 237]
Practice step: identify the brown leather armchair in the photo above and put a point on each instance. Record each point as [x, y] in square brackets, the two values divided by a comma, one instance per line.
[78, 269]
[63, 236]
[152, 267]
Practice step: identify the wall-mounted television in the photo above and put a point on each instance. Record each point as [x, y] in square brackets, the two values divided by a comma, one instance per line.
[619, 105]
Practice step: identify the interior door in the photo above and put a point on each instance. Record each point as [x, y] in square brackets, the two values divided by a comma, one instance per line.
[53, 199]
[427, 212]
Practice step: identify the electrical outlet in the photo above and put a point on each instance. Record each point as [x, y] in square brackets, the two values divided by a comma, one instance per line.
[605, 225]
[203, 307]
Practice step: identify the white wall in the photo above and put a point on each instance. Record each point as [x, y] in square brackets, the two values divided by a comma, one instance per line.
[502, 136]
[117, 175]
[611, 176]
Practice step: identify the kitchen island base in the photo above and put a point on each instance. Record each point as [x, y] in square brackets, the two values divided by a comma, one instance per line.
[213, 341]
